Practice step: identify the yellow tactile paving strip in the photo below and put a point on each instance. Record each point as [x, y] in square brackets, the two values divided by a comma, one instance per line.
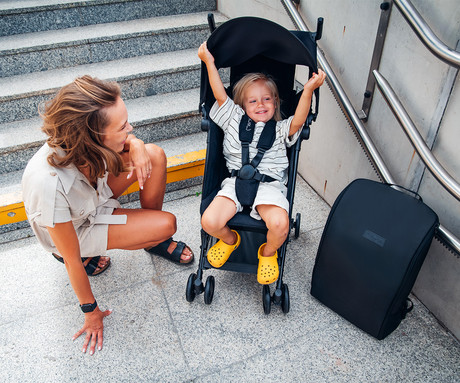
[179, 168]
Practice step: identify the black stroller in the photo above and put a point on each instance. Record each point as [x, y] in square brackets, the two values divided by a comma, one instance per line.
[245, 45]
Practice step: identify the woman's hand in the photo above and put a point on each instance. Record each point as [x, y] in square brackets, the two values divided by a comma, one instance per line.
[139, 160]
[94, 330]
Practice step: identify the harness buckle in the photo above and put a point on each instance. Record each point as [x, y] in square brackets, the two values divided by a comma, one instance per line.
[247, 172]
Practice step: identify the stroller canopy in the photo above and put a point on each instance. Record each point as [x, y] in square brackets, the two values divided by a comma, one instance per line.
[241, 39]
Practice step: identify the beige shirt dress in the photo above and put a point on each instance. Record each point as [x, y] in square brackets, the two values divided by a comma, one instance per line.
[55, 195]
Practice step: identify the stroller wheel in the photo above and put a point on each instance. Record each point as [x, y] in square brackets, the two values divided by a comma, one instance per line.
[285, 298]
[209, 290]
[297, 226]
[266, 299]
[190, 290]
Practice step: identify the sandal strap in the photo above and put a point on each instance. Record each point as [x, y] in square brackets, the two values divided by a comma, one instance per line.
[177, 252]
[161, 247]
[92, 265]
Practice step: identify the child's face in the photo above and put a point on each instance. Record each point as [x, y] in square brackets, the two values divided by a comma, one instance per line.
[259, 102]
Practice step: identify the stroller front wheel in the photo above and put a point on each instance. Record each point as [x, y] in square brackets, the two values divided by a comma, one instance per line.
[209, 290]
[266, 299]
[285, 305]
[190, 290]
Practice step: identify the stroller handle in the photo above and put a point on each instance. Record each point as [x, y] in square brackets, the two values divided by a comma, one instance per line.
[319, 29]
[211, 22]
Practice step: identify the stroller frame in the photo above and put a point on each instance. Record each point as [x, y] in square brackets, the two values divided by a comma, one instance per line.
[231, 36]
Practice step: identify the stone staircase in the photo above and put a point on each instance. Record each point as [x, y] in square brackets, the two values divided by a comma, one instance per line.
[148, 47]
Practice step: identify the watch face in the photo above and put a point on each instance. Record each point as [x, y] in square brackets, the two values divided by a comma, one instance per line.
[88, 307]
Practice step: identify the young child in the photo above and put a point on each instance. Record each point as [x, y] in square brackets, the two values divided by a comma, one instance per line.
[256, 96]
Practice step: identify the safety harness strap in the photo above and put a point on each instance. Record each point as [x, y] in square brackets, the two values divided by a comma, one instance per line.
[246, 134]
[248, 177]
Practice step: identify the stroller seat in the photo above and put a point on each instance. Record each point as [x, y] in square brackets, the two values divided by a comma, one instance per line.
[246, 45]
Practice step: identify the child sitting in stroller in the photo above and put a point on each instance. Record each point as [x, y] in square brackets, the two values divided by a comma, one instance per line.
[255, 96]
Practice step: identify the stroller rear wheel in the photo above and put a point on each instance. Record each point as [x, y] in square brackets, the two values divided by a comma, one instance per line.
[297, 226]
[266, 299]
[209, 290]
[190, 290]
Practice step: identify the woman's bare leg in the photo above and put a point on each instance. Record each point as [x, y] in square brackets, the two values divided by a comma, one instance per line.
[151, 198]
[144, 228]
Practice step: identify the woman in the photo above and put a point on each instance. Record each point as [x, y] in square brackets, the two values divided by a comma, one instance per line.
[71, 184]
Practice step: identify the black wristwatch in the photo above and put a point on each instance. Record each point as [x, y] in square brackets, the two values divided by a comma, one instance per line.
[88, 307]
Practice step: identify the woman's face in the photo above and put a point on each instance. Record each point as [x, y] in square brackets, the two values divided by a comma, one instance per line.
[259, 102]
[118, 128]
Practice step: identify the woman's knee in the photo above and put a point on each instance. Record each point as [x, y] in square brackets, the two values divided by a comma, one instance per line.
[170, 223]
[157, 155]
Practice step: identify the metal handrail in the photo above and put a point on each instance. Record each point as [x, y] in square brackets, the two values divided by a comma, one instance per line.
[426, 35]
[344, 102]
[371, 151]
[415, 138]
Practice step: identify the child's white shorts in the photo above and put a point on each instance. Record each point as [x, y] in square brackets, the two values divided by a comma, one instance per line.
[269, 193]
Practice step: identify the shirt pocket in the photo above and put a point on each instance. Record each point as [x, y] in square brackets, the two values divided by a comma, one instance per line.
[83, 211]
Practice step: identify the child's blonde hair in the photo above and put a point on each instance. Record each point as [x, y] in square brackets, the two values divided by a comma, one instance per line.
[250, 78]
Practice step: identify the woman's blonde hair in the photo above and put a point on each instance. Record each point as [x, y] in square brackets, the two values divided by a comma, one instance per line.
[240, 88]
[75, 120]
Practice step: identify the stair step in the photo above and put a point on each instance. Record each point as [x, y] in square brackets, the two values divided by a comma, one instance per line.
[41, 51]
[186, 156]
[154, 118]
[24, 16]
[148, 47]
[20, 96]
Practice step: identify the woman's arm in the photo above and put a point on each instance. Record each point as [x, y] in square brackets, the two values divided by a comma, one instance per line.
[217, 86]
[139, 159]
[65, 239]
[303, 107]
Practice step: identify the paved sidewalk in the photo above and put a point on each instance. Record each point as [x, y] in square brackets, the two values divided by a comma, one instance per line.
[155, 335]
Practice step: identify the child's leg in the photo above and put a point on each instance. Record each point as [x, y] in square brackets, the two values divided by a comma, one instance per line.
[215, 218]
[277, 221]
[214, 222]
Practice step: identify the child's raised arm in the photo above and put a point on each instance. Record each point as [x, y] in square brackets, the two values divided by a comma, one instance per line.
[214, 79]
[303, 107]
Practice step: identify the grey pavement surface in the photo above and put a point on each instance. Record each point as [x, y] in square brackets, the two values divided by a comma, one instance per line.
[155, 335]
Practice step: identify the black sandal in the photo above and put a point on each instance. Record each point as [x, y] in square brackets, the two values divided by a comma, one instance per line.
[162, 250]
[92, 265]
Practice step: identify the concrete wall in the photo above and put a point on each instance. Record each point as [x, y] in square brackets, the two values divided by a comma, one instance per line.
[333, 157]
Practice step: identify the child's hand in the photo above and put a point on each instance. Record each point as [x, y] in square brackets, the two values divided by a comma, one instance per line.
[315, 81]
[204, 54]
